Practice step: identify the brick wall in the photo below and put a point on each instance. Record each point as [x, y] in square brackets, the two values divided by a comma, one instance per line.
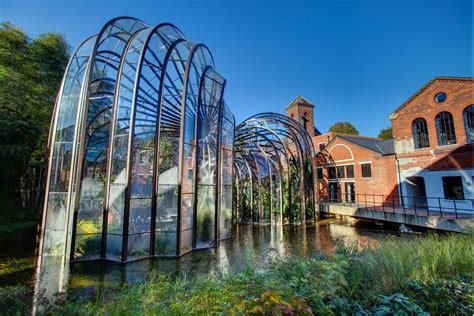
[460, 94]
[341, 152]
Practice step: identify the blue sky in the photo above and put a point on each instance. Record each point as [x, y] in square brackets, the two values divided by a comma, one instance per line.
[355, 60]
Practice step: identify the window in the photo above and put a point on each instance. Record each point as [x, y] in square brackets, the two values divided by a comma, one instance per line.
[321, 146]
[440, 97]
[320, 174]
[350, 171]
[366, 170]
[453, 188]
[340, 172]
[468, 115]
[332, 172]
[445, 129]
[420, 133]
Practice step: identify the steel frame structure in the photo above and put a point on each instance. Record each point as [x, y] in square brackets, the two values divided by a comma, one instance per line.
[274, 155]
[141, 149]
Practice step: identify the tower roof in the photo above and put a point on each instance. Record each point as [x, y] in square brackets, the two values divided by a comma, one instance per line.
[301, 101]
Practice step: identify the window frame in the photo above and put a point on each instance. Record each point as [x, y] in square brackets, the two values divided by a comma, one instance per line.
[444, 120]
[338, 169]
[469, 123]
[420, 134]
[320, 173]
[347, 172]
[362, 164]
[449, 188]
[438, 94]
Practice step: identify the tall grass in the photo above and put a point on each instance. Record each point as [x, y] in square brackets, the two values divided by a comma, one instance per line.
[402, 275]
[422, 259]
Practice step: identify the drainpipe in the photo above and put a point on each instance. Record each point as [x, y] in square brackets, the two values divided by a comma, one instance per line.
[399, 177]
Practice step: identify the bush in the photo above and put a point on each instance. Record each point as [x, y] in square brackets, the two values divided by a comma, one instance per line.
[419, 275]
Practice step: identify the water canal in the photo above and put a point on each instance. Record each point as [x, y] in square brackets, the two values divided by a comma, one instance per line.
[251, 246]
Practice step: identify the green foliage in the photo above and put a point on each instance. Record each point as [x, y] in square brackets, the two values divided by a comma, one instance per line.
[88, 237]
[398, 304]
[344, 283]
[386, 133]
[345, 128]
[445, 297]
[30, 75]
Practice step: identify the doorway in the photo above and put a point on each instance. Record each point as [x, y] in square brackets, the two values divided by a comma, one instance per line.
[334, 192]
[350, 192]
[416, 192]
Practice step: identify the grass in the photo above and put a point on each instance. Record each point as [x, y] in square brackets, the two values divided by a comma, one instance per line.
[402, 275]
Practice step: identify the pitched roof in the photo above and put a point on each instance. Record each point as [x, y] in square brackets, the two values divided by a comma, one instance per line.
[423, 89]
[299, 100]
[383, 147]
[316, 131]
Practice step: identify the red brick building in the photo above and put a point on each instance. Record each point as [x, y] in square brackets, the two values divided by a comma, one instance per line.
[348, 167]
[434, 142]
[431, 157]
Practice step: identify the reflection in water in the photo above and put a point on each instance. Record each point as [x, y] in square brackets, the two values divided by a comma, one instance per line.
[251, 246]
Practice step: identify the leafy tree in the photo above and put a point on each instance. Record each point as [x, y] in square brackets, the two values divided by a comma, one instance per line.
[345, 128]
[30, 75]
[386, 133]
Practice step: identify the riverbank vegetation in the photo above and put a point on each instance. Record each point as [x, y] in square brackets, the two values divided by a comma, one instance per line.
[414, 275]
[30, 75]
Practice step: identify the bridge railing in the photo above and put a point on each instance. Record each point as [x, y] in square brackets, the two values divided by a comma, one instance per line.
[412, 205]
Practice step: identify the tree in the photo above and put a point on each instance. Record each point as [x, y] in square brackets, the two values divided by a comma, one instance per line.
[386, 133]
[30, 75]
[345, 128]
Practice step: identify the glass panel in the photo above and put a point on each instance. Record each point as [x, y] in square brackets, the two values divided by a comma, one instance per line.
[187, 185]
[206, 212]
[165, 243]
[138, 246]
[140, 212]
[87, 246]
[114, 247]
[99, 112]
[226, 212]
[65, 123]
[187, 201]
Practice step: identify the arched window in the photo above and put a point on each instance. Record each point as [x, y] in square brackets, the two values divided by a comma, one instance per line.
[468, 115]
[445, 129]
[420, 133]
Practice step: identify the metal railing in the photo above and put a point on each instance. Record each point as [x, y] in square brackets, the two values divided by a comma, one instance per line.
[412, 205]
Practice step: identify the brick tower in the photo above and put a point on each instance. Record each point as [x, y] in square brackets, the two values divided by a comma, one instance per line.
[301, 110]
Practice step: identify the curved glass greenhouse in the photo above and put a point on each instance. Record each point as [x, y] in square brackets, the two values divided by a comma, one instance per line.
[274, 172]
[141, 148]
[142, 153]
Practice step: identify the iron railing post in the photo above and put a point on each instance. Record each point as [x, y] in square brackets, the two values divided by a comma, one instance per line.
[440, 209]
[414, 205]
[427, 207]
[455, 210]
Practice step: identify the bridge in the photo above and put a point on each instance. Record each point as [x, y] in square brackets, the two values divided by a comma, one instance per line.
[426, 212]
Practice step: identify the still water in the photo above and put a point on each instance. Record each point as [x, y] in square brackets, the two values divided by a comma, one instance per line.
[251, 246]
